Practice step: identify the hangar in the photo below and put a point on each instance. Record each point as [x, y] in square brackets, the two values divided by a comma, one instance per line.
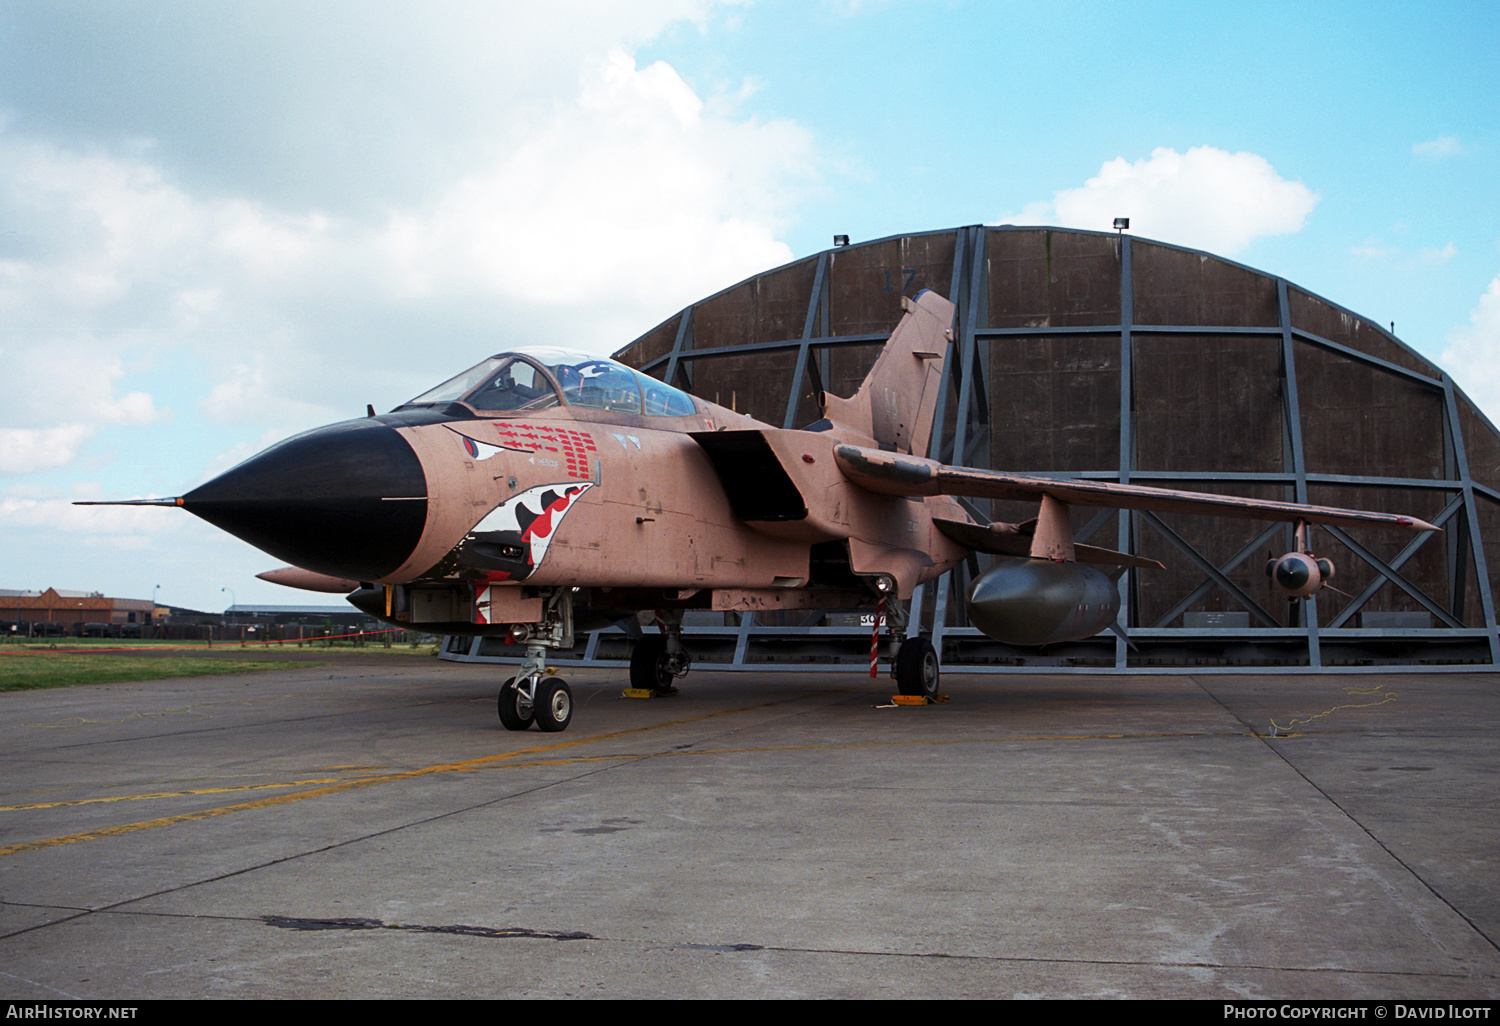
[1099, 355]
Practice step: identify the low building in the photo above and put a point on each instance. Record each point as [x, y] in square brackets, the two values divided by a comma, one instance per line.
[312, 616]
[69, 611]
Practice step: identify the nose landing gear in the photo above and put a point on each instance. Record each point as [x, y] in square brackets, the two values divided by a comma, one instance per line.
[531, 696]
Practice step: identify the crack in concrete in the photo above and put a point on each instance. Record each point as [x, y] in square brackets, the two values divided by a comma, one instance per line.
[356, 923]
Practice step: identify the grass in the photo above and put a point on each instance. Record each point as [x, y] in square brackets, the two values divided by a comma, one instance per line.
[155, 645]
[26, 665]
[28, 671]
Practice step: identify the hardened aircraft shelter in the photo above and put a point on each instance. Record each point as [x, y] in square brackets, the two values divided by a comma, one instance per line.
[1098, 355]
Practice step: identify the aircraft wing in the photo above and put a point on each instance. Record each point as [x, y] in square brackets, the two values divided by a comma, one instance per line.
[890, 473]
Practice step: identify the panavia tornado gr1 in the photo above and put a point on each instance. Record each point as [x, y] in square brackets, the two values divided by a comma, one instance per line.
[545, 491]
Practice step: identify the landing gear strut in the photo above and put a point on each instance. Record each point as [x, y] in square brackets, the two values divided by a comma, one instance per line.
[914, 660]
[531, 696]
[658, 659]
[916, 670]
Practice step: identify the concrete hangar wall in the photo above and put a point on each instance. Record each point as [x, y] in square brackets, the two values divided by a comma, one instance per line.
[1097, 355]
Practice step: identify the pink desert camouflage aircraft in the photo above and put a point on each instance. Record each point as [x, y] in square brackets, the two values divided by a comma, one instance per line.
[544, 491]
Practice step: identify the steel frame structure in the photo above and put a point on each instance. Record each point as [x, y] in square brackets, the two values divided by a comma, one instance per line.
[1325, 637]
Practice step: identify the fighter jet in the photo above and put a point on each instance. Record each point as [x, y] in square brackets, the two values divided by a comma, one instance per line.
[545, 491]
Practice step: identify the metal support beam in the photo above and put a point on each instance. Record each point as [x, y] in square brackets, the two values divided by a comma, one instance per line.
[1127, 444]
[1264, 538]
[794, 397]
[973, 401]
[935, 445]
[679, 346]
[1292, 445]
[1392, 576]
[742, 639]
[1207, 567]
[1358, 601]
[1481, 568]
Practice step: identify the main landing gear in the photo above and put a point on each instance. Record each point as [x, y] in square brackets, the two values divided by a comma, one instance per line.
[914, 660]
[658, 659]
[916, 668]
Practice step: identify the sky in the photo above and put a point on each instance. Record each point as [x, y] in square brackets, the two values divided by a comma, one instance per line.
[222, 224]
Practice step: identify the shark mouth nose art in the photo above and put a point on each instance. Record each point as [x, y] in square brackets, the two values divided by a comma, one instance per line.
[512, 540]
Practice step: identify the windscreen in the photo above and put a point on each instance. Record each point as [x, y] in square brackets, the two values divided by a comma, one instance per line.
[537, 378]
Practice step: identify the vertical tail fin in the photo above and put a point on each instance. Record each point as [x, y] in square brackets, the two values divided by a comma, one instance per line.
[895, 403]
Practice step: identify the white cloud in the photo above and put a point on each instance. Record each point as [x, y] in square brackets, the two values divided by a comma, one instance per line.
[110, 262]
[1435, 149]
[340, 104]
[1206, 198]
[586, 221]
[1374, 248]
[55, 396]
[73, 375]
[619, 88]
[633, 196]
[27, 450]
[48, 510]
[1473, 353]
[275, 213]
[247, 392]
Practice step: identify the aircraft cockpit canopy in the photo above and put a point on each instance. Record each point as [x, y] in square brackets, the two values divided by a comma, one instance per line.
[539, 378]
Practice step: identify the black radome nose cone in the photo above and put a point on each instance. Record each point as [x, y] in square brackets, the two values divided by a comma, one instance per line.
[348, 500]
[1292, 574]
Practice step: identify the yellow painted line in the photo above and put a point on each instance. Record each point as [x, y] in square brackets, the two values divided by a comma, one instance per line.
[262, 803]
[468, 765]
[164, 794]
[483, 762]
[880, 744]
